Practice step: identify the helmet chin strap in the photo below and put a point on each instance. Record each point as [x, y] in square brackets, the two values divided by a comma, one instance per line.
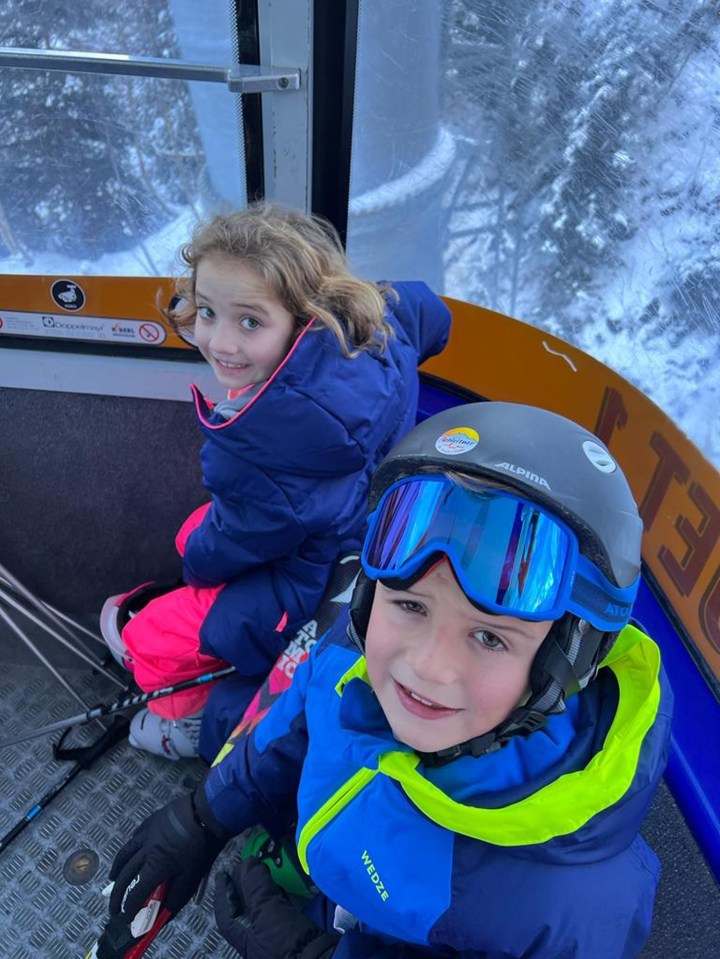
[359, 611]
[565, 663]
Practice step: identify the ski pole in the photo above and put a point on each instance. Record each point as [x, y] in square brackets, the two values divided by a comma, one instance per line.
[122, 941]
[128, 703]
[88, 754]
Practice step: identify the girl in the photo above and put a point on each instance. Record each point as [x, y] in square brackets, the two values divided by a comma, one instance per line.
[321, 372]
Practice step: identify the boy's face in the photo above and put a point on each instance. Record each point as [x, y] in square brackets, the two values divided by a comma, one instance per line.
[241, 328]
[443, 671]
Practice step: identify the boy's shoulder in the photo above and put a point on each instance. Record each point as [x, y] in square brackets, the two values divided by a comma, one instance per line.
[337, 637]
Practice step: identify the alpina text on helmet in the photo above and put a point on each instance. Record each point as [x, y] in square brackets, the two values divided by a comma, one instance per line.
[520, 471]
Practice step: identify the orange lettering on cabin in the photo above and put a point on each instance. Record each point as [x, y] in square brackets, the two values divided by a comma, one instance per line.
[696, 523]
[670, 466]
[612, 413]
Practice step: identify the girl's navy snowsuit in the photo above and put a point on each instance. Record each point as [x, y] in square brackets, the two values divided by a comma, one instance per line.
[289, 476]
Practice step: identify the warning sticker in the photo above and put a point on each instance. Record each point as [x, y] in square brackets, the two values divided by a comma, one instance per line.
[93, 328]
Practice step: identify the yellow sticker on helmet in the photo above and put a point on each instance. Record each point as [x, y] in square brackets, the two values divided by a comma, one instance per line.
[459, 440]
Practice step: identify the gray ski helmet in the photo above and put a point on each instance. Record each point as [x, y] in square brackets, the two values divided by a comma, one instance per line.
[547, 458]
[557, 463]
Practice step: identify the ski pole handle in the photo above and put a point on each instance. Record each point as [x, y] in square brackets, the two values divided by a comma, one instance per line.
[138, 699]
[122, 941]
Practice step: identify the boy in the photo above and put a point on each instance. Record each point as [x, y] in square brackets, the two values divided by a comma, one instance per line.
[469, 756]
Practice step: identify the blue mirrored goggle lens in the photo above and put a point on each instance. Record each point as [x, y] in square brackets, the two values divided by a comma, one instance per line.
[508, 554]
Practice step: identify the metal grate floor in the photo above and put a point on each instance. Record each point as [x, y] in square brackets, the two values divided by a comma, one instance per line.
[43, 913]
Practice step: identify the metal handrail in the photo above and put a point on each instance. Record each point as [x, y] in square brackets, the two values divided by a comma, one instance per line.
[242, 78]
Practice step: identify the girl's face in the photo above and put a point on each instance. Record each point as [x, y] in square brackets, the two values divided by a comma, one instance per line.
[241, 328]
[443, 671]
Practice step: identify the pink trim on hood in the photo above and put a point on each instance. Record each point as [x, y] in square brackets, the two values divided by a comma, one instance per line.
[231, 394]
[219, 426]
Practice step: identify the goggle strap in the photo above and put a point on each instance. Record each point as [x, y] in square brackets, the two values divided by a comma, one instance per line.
[593, 592]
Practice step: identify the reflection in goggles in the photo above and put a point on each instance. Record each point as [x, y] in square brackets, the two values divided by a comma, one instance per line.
[509, 554]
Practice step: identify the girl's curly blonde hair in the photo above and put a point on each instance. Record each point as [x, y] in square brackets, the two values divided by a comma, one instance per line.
[303, 264]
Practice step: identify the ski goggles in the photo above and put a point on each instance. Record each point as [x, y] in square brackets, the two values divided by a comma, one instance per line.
[510, 555]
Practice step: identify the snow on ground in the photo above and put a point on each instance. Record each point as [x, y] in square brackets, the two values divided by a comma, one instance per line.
[156, 255]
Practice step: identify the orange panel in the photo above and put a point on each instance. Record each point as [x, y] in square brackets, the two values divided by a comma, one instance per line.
[112, 310]
[677, 489]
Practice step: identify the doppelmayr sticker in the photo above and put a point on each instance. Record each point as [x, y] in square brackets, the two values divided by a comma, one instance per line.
[460, 440]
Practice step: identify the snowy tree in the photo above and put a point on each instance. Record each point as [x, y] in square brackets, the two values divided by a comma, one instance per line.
[92, 162]
[635, 67]
[589, 199]
[510, 85]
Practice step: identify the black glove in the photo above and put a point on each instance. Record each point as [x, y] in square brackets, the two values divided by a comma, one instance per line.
[173, 849]
[257, 918]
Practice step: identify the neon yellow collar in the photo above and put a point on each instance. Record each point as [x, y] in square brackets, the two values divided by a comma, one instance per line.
[566, 804]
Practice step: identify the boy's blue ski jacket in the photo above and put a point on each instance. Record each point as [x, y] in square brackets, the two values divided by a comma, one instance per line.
[532, 851]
